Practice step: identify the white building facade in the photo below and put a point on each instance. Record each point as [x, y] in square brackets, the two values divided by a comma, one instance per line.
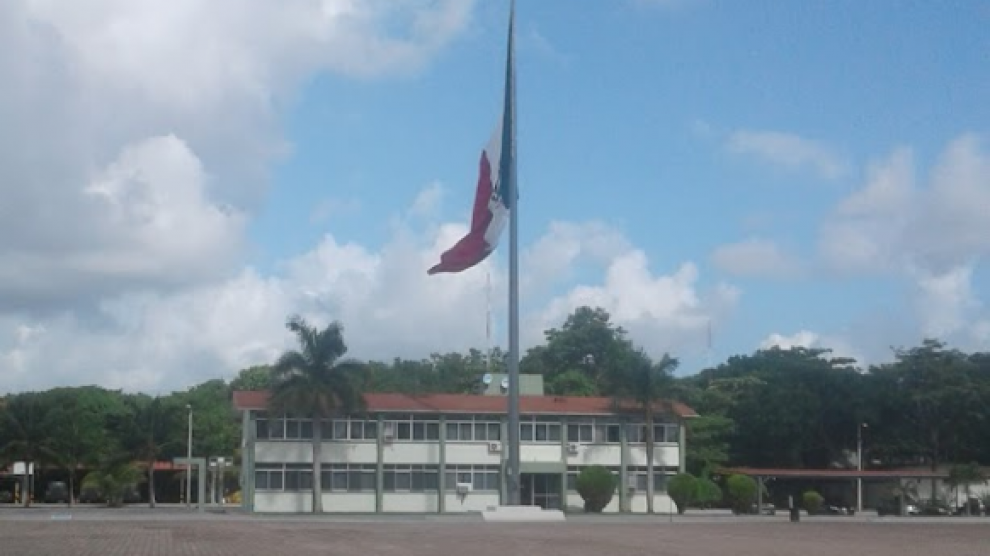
[445, 454]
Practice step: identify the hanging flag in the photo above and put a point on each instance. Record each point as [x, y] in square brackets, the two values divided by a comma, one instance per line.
[489, 217]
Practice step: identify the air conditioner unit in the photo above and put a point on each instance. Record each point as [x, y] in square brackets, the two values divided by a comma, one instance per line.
[463, 488]
[572, 448]
[494, 447]
[388, 434]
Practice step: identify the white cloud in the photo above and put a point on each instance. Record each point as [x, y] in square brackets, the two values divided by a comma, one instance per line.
[387, 302]
[789, 151]
[755, 257]
[841, 348]
[931, 234]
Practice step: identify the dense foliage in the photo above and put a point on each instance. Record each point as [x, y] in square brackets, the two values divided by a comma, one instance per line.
[596, 485]
[683, 490]
[772, 408]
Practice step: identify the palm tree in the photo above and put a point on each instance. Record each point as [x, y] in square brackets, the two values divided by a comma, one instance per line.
[151, 422]
[645, 382]
[26, 437]
[114, 477]
[315, 382]
[965, 475]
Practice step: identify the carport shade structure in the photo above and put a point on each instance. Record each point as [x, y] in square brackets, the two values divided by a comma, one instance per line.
[762, 474]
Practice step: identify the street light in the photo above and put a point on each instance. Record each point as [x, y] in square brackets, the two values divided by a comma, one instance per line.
[859, 465]
[189, 456]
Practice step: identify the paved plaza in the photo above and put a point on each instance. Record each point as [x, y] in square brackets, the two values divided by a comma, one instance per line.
[146, 533]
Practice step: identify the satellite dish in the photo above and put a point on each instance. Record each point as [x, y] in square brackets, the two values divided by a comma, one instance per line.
[487, 379]
[505, 383]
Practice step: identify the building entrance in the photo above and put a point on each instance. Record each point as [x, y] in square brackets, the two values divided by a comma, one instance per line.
[541, 489]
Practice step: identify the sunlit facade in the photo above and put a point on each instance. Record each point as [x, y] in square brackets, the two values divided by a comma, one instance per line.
[445, 453]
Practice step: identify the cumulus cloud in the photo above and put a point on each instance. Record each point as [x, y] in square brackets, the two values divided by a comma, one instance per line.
[931, 233]
[389, 306]
[755, 257]
[789, 151]
[813, 340]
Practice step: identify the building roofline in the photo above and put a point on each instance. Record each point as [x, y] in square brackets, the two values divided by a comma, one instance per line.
[467, 403]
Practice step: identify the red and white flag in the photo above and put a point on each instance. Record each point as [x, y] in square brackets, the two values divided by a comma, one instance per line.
[489, 217]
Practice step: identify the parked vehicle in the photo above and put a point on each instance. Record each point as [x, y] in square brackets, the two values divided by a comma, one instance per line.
[56, 493]
[976, 507]
[891, 506]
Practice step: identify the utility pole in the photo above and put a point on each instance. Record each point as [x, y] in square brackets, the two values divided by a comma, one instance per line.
[859, 465]
[189, 457]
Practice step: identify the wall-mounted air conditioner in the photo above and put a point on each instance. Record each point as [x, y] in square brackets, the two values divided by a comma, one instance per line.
[463, 488]
[572, 448]
[494, 447]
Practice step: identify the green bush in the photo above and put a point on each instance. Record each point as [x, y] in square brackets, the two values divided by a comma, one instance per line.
[708, 493]
[812, 502]
[742, 492]
[596, 485]
[683, 490]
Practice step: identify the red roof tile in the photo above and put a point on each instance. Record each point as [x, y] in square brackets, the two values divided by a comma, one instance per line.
[464, 403]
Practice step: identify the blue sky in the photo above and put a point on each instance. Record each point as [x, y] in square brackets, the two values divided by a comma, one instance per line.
[795, 173]
[625, 114]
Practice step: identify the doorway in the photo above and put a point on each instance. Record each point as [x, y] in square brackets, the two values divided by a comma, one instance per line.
[541, 489]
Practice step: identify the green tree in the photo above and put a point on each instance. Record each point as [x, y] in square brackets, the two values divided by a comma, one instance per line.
[683, 490]
[741, 492]
[644, 382]
[114, 476]
[596, 485]
[77, 426]
[26, 436]
[258, 377]
[315, 382]
[149, 433]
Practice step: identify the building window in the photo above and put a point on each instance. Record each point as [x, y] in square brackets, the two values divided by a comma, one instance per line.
[666, 432]
[581, 432]
[466, 429]
[539, 431]
[412, 428]
[660, 475]
[485, 478]
[343, 477]
[411, 478]
[298, 477]
[268, 477]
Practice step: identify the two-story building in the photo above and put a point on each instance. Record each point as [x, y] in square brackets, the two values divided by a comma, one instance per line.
[445, 453]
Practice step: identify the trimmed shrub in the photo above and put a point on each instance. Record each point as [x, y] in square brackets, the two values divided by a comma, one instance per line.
[683, 490]
[708, 494]
[812, 502]
[742, 493]
[596, 485]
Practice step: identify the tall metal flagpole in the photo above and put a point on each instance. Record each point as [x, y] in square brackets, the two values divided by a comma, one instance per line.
[508, 173]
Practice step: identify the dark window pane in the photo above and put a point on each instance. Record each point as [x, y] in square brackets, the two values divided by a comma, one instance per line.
[340, 480]
[276, 428]
[541, 432]
[367, 481]
[419, 431]
[371, 430]
[553, 431]
[480, 431]
[389, 480]
[275, 480]
[573, 433]
[261, 480]
[613, 434]
[466, 431]
[526, 432]
[261, 429]
[479, 481]
[450, 480]
[418, 481]
[340, 430]
[404, 431]
[452, 431]
[433, 431]
[306, 430]
[430, 480]
[326, 480]
[357, 430]
[494, 431]
[354, 481]
[292, 429]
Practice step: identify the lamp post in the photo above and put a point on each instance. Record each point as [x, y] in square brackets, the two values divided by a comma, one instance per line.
[189, 456]
[859, 466]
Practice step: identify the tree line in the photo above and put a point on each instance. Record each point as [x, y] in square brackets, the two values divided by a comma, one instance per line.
[773, 408]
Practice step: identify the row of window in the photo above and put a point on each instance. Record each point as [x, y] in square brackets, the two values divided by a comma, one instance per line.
[588, 432]
[637, 474]
[361, 478]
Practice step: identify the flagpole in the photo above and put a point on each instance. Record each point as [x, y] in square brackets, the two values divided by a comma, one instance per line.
[509, 136]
